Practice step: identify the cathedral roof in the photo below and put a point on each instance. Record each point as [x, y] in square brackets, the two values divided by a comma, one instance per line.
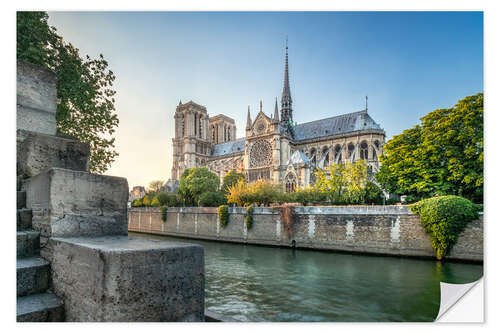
[345, 123]
[230, 147]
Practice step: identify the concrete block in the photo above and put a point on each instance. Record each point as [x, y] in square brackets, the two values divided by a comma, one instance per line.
[32, 276]
[36, 98]
[38, 152]
[23, 219]
[28, 243]
[117, 278]
[67, 203]
[39, 308]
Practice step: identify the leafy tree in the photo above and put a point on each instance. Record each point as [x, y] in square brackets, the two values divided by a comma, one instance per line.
[231, 178]
[196, 181]
[137, 203]
[236, 193]
[146, 200]
[443, 155]
[155, 186]
[155, 202]
[212, 199]
[85, 98]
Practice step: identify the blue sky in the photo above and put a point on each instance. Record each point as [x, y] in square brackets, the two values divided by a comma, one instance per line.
[408, 63]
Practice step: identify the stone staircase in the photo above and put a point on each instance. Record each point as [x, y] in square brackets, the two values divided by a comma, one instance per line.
[35, 303]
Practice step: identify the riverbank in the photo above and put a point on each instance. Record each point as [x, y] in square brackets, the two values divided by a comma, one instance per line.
[389, 230]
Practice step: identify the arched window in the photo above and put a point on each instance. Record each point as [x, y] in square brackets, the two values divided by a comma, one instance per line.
[377, 144]
[312, 155]
[229, 133]
[326, 154]
[290, 183]
[182, 125]
[338, 154]
[350, 150]
[195, 124]
[199, 127]
[364, 150]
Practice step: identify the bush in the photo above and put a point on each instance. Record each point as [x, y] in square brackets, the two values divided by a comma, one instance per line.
[231, 178]
[168, 199]
[306, 196]
[444, 218]
[236, 193]
[137, 202]
[146, 201]
[164, 214]
[223, 215]
[212, 199]
[249, 217]
[155, 202]
[373, 194]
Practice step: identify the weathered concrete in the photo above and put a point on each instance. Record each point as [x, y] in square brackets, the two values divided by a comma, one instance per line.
[36, 98]
[33, 276]
[68, 203]
[39, 307]
[391, 230]
[28, 243]
[116, 278]
[38, 152]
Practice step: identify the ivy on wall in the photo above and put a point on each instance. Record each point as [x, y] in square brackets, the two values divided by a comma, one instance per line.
[164, 213]
[249, 217]
[223, 215]
[444, 218]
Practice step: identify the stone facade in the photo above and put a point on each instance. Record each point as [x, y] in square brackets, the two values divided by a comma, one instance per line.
[274, 147]
[390, 230]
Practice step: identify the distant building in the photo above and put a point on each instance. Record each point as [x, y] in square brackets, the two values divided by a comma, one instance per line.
[138, 192]
[274, 147]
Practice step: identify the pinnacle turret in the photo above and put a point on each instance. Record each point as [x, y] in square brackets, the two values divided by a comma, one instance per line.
[276, 118]
[249, 120]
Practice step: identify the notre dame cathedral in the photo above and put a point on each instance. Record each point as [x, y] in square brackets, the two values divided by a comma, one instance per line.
[274, 147]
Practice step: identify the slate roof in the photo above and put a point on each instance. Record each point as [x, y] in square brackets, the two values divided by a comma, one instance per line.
[230, 147]
[344, 123]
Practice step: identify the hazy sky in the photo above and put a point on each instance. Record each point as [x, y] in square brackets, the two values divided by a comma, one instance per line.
[408, 63]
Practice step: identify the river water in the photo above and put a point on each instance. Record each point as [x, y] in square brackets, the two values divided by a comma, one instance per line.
[259, 283]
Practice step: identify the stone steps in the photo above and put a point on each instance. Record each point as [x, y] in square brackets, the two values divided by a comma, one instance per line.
[33, 276]
[21, 199]
[28, 243]
[24, 218]
[39, 308]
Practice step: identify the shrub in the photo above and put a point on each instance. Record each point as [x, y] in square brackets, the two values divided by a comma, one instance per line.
[164, 214]
[223, 215]
[137, 202]
[155, 202]
[307, 195]
[168, 199]
[444, 218]
[249, 217]
[231, 178]
[212, 199]
[373, 194]
[146, 201]
[236, 193]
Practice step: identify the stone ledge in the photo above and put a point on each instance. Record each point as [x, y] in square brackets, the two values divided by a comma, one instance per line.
[75, 203]
[37, 152]
[117, 278]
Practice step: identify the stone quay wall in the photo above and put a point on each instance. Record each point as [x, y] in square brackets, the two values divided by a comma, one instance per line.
[388, 230]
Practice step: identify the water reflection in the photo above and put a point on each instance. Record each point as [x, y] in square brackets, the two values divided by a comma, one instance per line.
[257, 283]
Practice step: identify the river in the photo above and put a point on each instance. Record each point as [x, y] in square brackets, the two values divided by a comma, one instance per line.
[260, 283]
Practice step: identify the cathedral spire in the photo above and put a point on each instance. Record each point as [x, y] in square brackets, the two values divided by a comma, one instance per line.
[276, 118]
[286, 96]
[249, 120]
[260, 105]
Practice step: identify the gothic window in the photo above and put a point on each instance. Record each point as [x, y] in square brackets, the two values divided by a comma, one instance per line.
[326, 154]
[338, 154]
[375, 155]
[312, 156]
[199, 127]
[195, 124]
[364, 150]
[229, 134]
[377, 144]
[290, 183]
[260, 154]
[213, 133]
[350, 150]
[182, 125]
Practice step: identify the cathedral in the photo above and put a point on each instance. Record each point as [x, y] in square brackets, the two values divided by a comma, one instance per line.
[274, 147]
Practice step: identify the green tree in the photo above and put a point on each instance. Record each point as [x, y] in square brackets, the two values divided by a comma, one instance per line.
[85, 97]
[212, 199]
[231, 178]
[155, 186]
[441, 156]
[196, 181]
